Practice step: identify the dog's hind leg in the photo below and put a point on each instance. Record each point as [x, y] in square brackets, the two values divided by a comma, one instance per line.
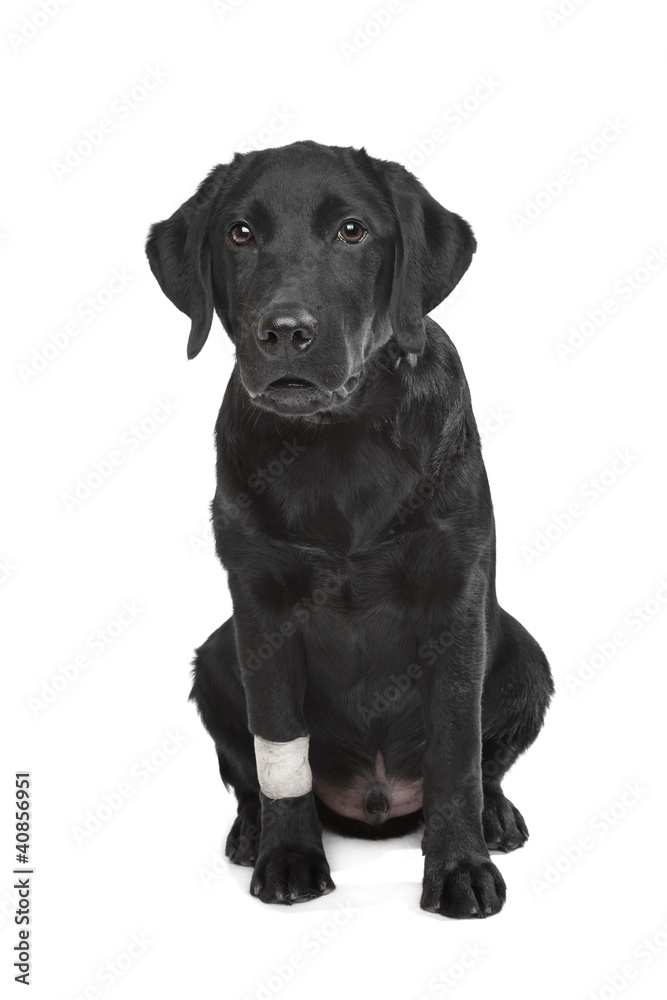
[517, 692]
[220, 699]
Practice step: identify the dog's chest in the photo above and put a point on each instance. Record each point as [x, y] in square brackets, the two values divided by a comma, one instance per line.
[340, 498]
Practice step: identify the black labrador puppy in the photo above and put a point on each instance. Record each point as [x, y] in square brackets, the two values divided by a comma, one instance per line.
[368, 678]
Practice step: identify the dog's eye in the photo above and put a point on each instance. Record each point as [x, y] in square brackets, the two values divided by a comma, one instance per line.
[351, 232]
[241, 234]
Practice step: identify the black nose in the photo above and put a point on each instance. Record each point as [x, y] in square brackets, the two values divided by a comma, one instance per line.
[286, 332]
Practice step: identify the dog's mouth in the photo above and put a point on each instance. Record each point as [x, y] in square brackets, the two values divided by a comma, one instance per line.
[292, 395]
[290, 383]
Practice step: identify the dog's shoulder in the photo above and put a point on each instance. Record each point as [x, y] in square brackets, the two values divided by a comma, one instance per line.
[435, 380]
[441, 356]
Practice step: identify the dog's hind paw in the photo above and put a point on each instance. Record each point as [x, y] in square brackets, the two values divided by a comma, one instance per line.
[504, 826]
[243, 840]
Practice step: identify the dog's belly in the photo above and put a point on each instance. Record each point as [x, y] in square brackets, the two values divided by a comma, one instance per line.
[373, 797]
[363, 707]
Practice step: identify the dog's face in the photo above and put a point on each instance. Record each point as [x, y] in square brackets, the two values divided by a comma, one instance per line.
[313, 257]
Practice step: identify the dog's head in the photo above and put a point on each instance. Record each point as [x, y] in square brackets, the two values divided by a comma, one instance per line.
[313, 257]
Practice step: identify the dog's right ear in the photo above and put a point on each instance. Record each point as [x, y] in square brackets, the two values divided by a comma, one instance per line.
[180, 258]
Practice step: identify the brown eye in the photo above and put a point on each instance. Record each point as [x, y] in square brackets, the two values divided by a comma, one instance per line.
[241, 234]
[351, 232]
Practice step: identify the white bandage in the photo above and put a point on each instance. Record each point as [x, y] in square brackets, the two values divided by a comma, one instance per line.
[282, 768]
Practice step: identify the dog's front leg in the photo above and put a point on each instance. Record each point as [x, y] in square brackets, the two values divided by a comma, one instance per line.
[460, 879]
[291, 865]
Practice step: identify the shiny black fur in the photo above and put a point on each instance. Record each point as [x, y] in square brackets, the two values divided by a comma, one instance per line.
[353, 516]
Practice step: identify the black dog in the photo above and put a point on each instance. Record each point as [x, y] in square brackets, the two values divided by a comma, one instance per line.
[368, 677]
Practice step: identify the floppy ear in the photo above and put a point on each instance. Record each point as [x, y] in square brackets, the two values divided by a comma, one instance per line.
[434, 248]
[180, 259]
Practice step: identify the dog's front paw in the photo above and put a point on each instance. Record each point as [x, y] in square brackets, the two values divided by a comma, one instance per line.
[289, 875]
[467, 888]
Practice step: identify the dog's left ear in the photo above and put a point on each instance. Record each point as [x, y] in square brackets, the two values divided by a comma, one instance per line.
[180, 258]
[434, 248]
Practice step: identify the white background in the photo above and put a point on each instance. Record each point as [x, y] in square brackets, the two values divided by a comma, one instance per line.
[553, 427]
